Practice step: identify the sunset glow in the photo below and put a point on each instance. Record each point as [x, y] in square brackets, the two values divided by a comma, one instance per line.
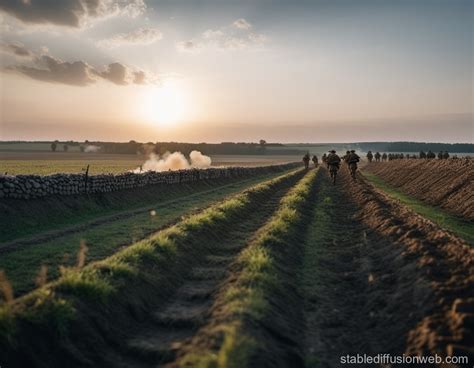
[165, 105]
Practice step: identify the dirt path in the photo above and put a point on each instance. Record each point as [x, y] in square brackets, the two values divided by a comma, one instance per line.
[369, 279]
[339, 271]
[173, 324]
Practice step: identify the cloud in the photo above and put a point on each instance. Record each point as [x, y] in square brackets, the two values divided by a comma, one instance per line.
[69, 13]
[140, 36]
[139, 77]
[242, 24]
[188, 46]
[49, 69]
[235, 37]
[115, 73]
[16, 49]
[78, 73]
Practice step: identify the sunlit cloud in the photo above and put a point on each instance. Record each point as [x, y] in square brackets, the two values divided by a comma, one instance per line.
[47, 68]
[70, 13]
[235, 37]
[188, 46]
[242, 24]
[16, 49]
[140, 36]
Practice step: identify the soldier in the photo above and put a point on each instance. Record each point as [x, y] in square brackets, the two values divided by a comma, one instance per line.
[333, 162]
[430, 155]
[422, 154]
[315, 161]
[324, 159]
[377, 156]
[352, 161]
[370, 156]
[440, 155]
[306, 160]
[445, 155]
[384, 157]
[344, 158]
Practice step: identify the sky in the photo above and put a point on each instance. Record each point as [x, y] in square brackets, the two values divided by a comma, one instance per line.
[227, 70]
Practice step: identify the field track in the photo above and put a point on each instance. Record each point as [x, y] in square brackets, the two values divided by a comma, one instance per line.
[189, 308]
[377, 277]
[301, 273]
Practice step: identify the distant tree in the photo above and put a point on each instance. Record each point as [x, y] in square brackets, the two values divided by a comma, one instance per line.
[65, 148]
[54, 146]
[263, 142]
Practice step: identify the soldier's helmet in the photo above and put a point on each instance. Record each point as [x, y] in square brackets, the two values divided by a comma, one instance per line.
[332, 151]
[352, 151]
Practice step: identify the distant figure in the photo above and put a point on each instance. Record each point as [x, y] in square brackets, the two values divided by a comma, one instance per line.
[445, 155]
[370, 156]
[306, 161]
[333, 161]
[315, 160]
[324, 159]
[345, 157]
[422, 154]
[384, 157]
[352, 161]
[430, 155]
[440, 155]
[377, 156]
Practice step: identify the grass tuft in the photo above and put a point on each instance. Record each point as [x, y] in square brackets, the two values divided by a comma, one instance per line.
[6, 288]
[247, 299]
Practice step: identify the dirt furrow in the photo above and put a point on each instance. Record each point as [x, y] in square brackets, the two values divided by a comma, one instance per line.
[377, 278]
[174, 323]
[343, 305]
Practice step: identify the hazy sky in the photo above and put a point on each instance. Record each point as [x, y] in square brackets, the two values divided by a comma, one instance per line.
[202, 70]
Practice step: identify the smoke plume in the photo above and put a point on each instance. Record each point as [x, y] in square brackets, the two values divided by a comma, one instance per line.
[175, 161]
[92, 149]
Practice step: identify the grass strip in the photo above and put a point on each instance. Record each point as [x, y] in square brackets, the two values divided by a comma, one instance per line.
[22, 265]
[255, 297]
[131, 279]
[462, 228]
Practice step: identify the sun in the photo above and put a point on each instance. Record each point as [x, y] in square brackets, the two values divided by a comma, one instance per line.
[165, 105]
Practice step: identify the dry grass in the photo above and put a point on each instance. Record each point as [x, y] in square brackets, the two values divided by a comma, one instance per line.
[6, 288]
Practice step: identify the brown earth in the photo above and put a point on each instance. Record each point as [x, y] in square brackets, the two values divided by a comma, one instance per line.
[379, 279]
[443, 263]
[382, 280]
[445, 183]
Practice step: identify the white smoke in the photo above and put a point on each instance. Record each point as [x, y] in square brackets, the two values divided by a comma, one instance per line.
[174, 161]
[92, 149]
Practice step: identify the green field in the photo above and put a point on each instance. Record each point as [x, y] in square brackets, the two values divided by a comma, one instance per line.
[104, 222]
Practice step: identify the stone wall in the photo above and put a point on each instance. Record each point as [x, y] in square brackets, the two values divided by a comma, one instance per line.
[35, 186]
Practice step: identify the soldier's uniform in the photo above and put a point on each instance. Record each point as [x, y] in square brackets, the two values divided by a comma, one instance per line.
[306, 161]
[333, 159]
[370, 156]
[315, 160]
[377, 156]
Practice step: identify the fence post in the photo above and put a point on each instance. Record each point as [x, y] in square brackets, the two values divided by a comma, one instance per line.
[86, 179]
